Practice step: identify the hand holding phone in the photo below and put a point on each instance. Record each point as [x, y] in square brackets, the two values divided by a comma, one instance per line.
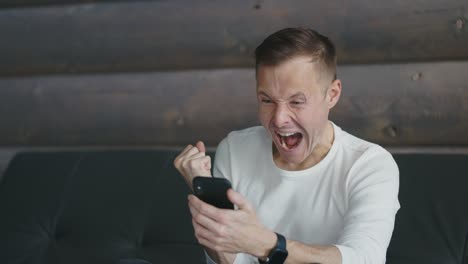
[213, 191]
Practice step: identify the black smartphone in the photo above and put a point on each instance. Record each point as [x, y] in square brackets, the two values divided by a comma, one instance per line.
[213, 191]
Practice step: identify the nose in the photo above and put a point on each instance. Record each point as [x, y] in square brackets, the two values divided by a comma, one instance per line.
[281, 115]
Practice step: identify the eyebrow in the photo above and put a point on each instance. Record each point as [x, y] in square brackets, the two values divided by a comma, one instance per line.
[298, 94]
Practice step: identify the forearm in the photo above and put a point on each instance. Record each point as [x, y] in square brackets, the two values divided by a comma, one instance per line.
[301, 253]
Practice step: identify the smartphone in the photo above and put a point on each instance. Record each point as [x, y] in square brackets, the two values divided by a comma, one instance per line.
[213, 191]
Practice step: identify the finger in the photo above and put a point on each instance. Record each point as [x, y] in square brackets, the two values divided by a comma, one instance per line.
[193, 210]
[205, 239]
[211, 240]
[196, 155]
[211, 227]
[189, 146]
[186, 149]
[209, 244]
[201, 146]
[239, 200]
[206, 227]
[191, 152]
[182, 160]
[181, 154]
[206, 222]
[207, 163]
[202, 166]
[200, 231]
[196, 165]
[206, 209]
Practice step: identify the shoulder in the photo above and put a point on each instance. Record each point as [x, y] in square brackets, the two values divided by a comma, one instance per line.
[251, 133]
[248, 137]
[238, 149]
[368, 161]
[361, 150]
[353, 143]
[243, 141]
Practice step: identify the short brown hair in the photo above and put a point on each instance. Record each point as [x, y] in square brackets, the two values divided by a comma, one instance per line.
[288, 43]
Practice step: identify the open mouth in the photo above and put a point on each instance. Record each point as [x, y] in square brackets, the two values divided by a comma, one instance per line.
[289, 141]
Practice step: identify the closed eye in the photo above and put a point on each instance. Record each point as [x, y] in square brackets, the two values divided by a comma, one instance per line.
[297, 102]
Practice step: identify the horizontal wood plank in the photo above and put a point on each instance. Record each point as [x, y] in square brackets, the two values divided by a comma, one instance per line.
[396, 105]
[34, 3]
[135, 36]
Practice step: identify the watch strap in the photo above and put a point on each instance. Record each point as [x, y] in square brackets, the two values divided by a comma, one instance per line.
[279, 247]
[281, 243]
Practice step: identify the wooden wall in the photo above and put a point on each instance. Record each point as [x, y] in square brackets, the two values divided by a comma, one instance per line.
[115, 73]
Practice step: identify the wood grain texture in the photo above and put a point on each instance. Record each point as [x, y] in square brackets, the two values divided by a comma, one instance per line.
[135, 36]
[395, 105]
[34, 3]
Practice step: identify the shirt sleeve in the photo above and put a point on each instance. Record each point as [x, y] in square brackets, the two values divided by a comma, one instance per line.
[208, 259]
[372, 191]
[222, 163]
[222, 169]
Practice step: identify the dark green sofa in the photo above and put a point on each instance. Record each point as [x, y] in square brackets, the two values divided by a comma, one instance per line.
[109, 206]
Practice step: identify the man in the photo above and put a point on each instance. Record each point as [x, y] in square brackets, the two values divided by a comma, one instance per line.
[302, 184]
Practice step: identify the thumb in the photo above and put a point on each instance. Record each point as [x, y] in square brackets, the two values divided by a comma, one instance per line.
[201, 146]
[239, 200]
[207, 163]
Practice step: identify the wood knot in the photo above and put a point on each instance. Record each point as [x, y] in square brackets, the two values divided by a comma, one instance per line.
[416, 76]
[460, 23]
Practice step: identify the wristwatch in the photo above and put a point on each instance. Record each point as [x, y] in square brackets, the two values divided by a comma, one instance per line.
[278, 254]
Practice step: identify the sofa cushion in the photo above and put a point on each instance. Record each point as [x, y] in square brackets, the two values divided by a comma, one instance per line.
[95, 207]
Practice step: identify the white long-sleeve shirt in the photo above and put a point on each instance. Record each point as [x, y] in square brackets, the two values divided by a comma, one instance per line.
[349, 199]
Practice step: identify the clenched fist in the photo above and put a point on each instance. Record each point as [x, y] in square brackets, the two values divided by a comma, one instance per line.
[193, 161]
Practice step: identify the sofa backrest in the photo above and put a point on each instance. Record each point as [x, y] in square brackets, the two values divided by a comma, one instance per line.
[432, 224]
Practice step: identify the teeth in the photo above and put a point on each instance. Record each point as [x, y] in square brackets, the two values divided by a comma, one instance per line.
[286, 134]
[284, 145]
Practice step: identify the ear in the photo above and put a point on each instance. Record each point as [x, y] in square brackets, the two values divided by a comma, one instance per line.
[333, 93]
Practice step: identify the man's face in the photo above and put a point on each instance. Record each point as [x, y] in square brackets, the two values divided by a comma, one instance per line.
[293, 107]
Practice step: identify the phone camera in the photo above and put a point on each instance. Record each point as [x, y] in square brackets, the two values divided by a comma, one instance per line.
[198, 190]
